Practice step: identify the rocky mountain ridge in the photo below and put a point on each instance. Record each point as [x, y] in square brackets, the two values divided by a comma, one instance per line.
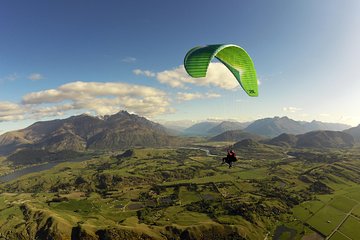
[78, 133]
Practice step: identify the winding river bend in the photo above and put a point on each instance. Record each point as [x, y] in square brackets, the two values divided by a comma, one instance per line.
[207, 151]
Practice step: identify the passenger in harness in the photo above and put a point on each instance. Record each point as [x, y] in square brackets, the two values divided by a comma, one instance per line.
[230, 158]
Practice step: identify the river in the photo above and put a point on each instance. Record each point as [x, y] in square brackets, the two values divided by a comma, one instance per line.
[207, 151]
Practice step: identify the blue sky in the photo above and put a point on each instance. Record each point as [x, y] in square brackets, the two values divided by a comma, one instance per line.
[59, 58]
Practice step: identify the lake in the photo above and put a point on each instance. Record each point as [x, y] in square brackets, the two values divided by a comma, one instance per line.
[38, 168]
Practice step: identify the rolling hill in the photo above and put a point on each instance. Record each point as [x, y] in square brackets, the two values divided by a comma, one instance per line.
[252, 149]
[355, 132]
[235, 136]
[314, 139]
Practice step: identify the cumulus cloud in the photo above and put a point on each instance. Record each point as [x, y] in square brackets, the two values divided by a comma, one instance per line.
[35, 76]
[145, 73]
[11, 111]
[217, 76]
[50, 111]
[184, 96]
[102, 98]
[176, 78]
[46, 96]
[291, 109]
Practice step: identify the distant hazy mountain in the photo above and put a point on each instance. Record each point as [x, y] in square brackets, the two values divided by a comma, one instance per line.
[235, 136]
[200, 129]
[314, 139]
[355, 132]
[226, 126]
[317, 125]
[272, 127]
[121, 130]
[214, 128]
[177, 126]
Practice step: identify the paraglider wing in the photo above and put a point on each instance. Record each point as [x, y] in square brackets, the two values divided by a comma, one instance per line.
[235, 58]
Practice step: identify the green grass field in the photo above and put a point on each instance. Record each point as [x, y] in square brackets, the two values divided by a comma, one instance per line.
[354, 194]
[187, 196]
[343, 203]
[259, 173]
[351, 227]
[156, 189]
[326, 219]
[356, 211]
[301, 213]
[306, 210]
[339, 236]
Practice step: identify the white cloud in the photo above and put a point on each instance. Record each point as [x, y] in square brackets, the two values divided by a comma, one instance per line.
[11, 111]
[291, 109]
[46, 96]
[145, 73]
[10, 77]
[215, 119]
[8, 106]
[183, 96]
[50, 111]
[217, 76]
[212, 95]
[35, 76]
[176, 78]
[129, 60]
[99, 97]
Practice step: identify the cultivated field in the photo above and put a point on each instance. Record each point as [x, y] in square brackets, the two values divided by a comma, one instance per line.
[169, 192]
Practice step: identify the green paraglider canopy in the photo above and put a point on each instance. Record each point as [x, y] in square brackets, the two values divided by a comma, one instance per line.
[235, 58]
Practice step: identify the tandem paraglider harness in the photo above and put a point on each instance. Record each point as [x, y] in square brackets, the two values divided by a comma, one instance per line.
[230, 158]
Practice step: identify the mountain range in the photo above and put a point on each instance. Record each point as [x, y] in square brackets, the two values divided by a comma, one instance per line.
[124, 130]
[199, 129]
[266, 127]
[77, 133]
[272, 127]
